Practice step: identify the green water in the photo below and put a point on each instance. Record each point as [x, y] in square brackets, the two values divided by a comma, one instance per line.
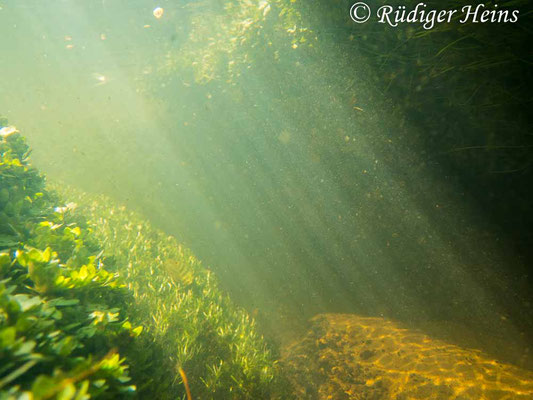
[294, 172]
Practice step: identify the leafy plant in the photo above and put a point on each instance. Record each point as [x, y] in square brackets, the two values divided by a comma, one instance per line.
[190, 324]
[85, 304]
[51, 344]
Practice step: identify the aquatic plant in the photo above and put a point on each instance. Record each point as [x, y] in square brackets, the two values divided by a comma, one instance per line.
[190, 324]
[243, 30]
[478, 73]
[85, 304]
[458, 95]
[61, 334]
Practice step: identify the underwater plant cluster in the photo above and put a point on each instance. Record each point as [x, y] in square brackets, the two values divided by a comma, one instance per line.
[453, 108]
[108, 307]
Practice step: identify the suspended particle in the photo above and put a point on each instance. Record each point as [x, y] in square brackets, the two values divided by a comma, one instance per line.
[284, 137]
[158, 12]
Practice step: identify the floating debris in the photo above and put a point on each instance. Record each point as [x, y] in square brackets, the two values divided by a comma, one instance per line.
[158, 12]
[101, 79]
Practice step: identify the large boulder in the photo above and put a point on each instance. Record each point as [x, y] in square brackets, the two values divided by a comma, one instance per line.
[346, 356]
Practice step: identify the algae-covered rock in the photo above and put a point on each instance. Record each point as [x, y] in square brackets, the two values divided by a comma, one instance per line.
[346, 356]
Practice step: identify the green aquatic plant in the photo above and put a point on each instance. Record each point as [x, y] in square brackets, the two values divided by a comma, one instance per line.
[190, 324]
[477, 73]
[60, 336]
[474, 73]
[95, 303]
[463, 86]
[225, 41]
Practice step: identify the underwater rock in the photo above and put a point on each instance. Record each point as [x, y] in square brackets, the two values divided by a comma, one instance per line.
[345, 356]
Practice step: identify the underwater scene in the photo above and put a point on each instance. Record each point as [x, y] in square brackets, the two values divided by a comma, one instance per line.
[266, 199]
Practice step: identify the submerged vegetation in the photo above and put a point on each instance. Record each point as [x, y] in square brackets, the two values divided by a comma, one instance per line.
[441, 116]
[61, 334]
[476, 74]
[191, 324]
[94, 303]
[317, 164]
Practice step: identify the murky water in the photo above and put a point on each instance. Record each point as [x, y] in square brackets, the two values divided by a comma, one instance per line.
[300, 182]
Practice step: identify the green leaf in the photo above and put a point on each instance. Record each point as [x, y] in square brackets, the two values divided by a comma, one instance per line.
[5, 260]
[65, 346]
[87, 331]
[68, 392]
[22, 258]
[26, 348]
[99, 383]
[83, 273]
[7, 336]
[43, 386]
[82, 391]
[61, 302]
[36, 256]
[129, 389]
[137, 331]
[123, 379]
[25, 302]
[46, 255]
